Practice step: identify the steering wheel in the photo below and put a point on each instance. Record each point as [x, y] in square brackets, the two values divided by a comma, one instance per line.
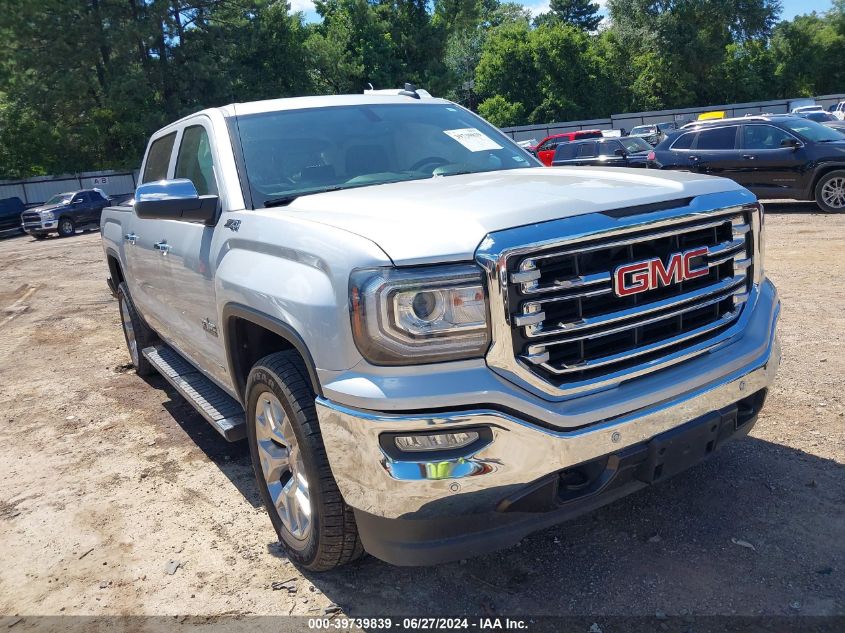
[434, 161]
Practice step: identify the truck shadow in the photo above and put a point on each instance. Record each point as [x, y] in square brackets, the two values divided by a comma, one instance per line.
[232, 458]
[792, 207]
[683, 544]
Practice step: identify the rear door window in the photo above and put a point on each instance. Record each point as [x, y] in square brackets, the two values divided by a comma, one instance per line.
[565, 151]
[720, 138]
[586, 150]
[158, 158]
[608, 148]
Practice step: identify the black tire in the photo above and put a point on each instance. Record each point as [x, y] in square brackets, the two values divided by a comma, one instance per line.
[66, 227]
[333, 537]
[830, 192]
[142, 334]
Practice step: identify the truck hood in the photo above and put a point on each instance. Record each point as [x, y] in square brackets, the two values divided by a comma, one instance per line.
[51, 207]
[445, 218]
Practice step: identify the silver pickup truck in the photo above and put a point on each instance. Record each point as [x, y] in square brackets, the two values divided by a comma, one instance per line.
[433, 345]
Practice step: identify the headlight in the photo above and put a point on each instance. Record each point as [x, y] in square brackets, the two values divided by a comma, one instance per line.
[419, 315]
[47, 215]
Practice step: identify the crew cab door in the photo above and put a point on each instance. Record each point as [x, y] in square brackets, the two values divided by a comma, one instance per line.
[189, 259]
[145, 268]
[770, 168]
[716, 152]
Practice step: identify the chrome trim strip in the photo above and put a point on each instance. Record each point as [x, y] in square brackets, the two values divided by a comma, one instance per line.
[629, 241]
[732, 283]
[640, 351]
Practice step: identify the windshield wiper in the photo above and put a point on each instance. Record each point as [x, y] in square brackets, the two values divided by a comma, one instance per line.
[281, 201]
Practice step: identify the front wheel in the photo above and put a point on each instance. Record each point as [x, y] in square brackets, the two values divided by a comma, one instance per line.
[315, 526]
[66, 227]
[830, 192]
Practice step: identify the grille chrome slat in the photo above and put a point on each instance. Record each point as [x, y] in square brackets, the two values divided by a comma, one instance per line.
[629, 241]
[570, 327]
[623, 356]
[640, 323]
[717, 254]
[729, 285]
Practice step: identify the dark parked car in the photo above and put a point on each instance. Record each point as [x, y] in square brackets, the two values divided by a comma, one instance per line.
[603, 152]
[653, 133]
[10, 214]
[66, 212]
[775, 156]
[825, 118]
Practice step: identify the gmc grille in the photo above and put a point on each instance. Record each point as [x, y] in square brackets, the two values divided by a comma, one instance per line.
[569, 326]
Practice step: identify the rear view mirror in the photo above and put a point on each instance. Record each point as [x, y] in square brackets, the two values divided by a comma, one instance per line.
[175, 200]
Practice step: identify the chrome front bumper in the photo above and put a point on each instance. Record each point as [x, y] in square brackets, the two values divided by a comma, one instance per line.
[521, 452]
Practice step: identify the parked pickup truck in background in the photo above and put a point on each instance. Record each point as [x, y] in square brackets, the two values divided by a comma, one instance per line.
[433, 345]
[65, 212]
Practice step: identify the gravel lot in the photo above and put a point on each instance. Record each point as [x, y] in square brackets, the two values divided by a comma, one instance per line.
[107, 477]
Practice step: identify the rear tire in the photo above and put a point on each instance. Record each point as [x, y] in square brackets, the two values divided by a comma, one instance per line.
[830, 192]
[136, 332]
[314, 525]
[66, 227]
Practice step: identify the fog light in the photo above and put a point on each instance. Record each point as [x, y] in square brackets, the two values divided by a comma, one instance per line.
[435, 442]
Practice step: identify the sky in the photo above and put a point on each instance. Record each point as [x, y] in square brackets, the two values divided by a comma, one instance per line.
[791, 8]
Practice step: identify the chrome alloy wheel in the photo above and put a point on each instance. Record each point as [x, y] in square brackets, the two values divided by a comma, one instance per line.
[833, 192]
[129, 331]
[282, 466]
[66, 226]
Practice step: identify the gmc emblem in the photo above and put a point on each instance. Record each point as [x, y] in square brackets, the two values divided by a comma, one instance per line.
[650, 274]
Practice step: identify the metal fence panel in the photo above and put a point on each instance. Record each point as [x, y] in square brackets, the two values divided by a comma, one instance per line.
[11, 191]
[34, 191]
[628, 120]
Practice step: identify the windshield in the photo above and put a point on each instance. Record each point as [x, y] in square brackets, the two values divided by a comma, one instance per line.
[633, 145]
[61, 198]
[813, 131]
[643, 129]
[295, 152]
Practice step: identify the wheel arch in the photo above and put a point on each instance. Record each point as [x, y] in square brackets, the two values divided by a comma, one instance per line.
[250, 335]
[821, 172]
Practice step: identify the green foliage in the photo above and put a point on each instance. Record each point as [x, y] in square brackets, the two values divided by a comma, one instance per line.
[499, 111]
[83, 83]
[582, 14]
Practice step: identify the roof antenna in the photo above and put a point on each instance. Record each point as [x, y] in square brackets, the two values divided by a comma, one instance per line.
[409, 91]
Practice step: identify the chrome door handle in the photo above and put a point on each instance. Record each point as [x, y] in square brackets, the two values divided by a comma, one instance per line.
[131, 238]
[694, 159]
[162, 246]
[749, 156]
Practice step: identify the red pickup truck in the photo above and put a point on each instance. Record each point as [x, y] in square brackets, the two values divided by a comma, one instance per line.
[546, 149]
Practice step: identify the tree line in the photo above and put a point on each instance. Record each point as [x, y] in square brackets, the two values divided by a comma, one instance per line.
[84, 82]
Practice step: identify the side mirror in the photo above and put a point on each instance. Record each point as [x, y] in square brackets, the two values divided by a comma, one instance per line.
[175, 200]
[621, 152]
[77, 201]
[794, 143]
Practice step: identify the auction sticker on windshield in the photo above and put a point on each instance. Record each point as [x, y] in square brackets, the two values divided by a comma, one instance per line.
[474, 140]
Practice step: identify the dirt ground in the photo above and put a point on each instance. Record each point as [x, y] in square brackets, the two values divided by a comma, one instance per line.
[105, 478]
